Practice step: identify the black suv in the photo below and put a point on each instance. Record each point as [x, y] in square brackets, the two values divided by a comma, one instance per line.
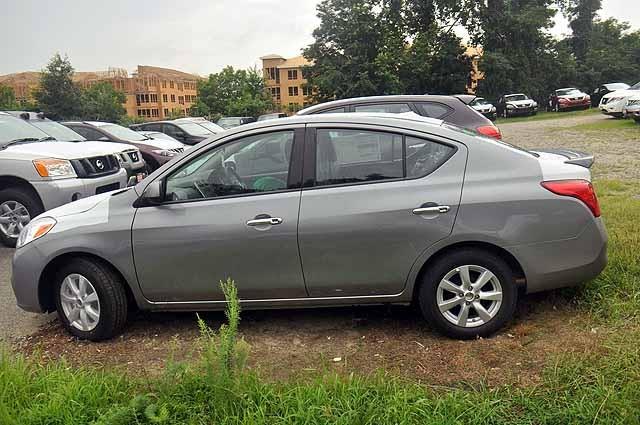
[452, 109]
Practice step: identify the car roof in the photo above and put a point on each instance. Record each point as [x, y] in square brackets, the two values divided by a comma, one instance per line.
[387, 99]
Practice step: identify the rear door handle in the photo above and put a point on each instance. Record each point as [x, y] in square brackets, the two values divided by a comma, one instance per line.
[440, 209]
[270, 221]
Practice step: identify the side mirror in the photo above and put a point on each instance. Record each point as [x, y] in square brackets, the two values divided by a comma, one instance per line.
[152, 195]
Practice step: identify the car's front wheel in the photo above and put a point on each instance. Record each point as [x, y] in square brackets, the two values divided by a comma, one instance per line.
[468, 293]
[90, 299]
[17, 207]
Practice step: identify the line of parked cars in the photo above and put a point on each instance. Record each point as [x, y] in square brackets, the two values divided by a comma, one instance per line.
[621, 101]
[45, 164]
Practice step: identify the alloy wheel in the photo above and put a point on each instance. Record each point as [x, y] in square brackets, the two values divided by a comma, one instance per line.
[80, 302]
[469, 296]
[13, 218]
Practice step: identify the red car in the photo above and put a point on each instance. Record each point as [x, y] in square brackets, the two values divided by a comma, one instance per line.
[568, 98]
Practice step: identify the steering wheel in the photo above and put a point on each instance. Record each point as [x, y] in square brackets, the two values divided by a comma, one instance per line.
[232, 176]
[225, 176]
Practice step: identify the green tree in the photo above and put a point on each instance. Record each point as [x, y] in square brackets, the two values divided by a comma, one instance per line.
[7, 98]
[102, 102]
[234, 92]
[582, 15]
[58, 96]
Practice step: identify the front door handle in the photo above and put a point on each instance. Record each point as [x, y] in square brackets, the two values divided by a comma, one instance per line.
[439, 209]
[269, 221]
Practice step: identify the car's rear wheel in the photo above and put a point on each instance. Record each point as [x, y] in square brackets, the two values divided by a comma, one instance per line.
[469, 293]
[17, 208]
[90, 299]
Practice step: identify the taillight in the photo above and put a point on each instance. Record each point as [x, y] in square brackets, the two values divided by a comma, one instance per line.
[490, 131]
[579, 189]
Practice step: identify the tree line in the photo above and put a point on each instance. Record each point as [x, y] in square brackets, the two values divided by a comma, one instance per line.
[381, 47]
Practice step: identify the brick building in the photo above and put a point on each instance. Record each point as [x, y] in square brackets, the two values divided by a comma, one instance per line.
[284, 79]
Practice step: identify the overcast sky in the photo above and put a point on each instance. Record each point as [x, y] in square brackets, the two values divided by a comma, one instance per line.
[199, 36]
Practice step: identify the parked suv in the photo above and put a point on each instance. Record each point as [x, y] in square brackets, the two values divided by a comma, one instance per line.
[155, 152]
[516, 104]
[569, 98]
[38, 173]
[452, 109]
[604, 89]
[613, 103]
[125, 153]
[323, 210]
[184, 130]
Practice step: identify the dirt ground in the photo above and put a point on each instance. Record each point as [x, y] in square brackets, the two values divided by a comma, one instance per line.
[299, 343]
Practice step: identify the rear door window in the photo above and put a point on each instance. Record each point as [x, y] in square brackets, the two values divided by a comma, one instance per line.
[89, 133]
[390, 108]
[433, 109]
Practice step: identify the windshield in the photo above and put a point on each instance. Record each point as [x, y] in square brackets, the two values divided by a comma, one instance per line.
[229, 122]
[480, 101]
[214, 128]
[515, 97]
[14, 128]
[620, 86]
[636, 86]
[59, 131]
[194, 129]
[123, 132]
[567, 92]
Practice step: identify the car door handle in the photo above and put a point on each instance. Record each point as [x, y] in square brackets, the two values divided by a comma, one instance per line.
[270, 221]
[440, 209]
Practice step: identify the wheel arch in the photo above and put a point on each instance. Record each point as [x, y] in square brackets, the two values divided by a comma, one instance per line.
[9, 182]
[46, 282]
[502, 253]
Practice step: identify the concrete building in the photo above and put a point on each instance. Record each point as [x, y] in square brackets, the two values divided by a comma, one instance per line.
[151, 93]
[475, 53]
[284, 79]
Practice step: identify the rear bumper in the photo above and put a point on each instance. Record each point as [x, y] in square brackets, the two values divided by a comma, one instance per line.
[563, 263]
[55, 193]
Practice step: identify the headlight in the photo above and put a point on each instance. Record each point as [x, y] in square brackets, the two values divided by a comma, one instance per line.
[534, 104]
[164, 152]
[510, 107]
[35, 230]
[54, 168]
[493, 109]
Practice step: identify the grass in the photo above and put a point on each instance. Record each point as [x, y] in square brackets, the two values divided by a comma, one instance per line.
[598, 388]
[609, 124]
[543, 115]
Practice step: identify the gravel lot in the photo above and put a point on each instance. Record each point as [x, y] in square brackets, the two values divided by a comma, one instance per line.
[302, 342]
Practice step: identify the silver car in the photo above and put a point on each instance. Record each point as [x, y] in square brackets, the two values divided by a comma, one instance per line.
[323, 210]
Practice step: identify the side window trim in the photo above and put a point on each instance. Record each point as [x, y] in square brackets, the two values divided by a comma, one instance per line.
[310, 149]
[296, 157]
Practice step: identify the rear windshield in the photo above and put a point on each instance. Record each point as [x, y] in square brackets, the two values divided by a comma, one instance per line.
[472, 133]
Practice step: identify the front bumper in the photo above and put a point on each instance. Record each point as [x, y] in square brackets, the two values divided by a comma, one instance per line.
[613, 109]
[55, 193]
[574, 104]
[27, 267]
[521, 111]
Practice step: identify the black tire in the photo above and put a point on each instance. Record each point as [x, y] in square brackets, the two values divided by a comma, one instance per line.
[111, 294]
[25, 197]
[427, 295]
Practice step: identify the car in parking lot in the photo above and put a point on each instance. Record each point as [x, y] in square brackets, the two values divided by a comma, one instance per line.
[155, 152]
[511, 105]
[125, 153]
[485, 107]
[604, 89]
[452, 109]
[183, 130]
[613, 103]
[230, 122]
[323, 210]
[38, 173]
[568, 98]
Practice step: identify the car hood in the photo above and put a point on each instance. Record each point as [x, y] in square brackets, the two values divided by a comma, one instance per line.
[621, 93]
[78, 207]
[65, 150]
[114, 147]
[161, 144]
[484, 108]
[527, 102]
